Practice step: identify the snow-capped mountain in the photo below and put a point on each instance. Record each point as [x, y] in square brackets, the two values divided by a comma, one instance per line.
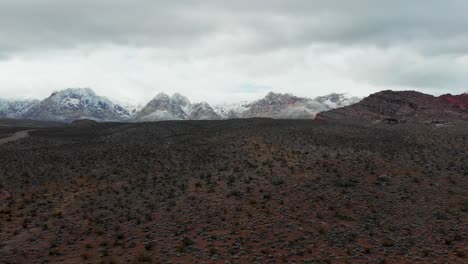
[82, 103]
[274, 105]
[336, 100]
[284, 106]
[76, 103]
[15, 109]
[165, 107]
[175, 107]
[203, 111]
[231, 110]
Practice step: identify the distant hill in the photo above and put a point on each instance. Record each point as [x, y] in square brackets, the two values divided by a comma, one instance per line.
[404, 106]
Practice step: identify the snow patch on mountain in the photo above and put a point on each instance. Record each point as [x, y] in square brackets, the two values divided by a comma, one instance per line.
[165, 107]
[231, 110]
[15, 109]
[203, 111]
[284, 106]
[77, 103]
[336, 100]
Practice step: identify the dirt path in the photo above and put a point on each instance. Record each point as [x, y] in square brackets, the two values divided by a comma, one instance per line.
[16, 136]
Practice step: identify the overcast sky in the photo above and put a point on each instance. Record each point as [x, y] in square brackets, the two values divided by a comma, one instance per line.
[218, 51]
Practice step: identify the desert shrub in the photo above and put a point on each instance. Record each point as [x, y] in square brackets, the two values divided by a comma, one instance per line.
[277, 181]
[144, 257]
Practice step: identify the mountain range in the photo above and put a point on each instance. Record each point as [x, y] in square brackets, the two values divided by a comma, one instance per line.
[395, 106]
[83, 103]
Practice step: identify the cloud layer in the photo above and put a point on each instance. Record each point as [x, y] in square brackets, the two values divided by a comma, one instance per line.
[215, 50]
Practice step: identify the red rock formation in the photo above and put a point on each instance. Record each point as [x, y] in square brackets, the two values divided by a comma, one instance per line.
[404, 105]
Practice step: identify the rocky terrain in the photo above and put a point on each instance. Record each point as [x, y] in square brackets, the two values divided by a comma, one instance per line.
[234, 191]
[405, 106]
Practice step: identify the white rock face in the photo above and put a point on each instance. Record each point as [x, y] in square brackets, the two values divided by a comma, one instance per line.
[76, 103]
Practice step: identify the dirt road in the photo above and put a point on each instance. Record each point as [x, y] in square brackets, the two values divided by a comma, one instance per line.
[16, 136]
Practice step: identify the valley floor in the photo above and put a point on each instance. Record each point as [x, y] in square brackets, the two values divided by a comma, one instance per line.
[237, 191]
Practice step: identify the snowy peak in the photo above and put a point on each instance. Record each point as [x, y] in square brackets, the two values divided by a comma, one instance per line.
[203, 111]
[275, 105]
[165, 107]
[77, 103]
[74, 92]
[162, 97]
[276, 98]
[231, 110]
[179, 99]
[73, 97]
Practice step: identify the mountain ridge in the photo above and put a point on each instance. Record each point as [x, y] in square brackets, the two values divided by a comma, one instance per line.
[273, 105]
[76, 103]
[83, 103]
[403, 106]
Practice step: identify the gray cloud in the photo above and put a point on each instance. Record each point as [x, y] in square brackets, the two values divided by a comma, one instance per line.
[48, 24]
[418, 44]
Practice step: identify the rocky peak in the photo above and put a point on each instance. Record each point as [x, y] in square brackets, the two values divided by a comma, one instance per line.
[278, 98]
[276, 105]
[77, 103]
[74, 92]
[203, 111]
[165, 107]
[161, 98]
[180, 99]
